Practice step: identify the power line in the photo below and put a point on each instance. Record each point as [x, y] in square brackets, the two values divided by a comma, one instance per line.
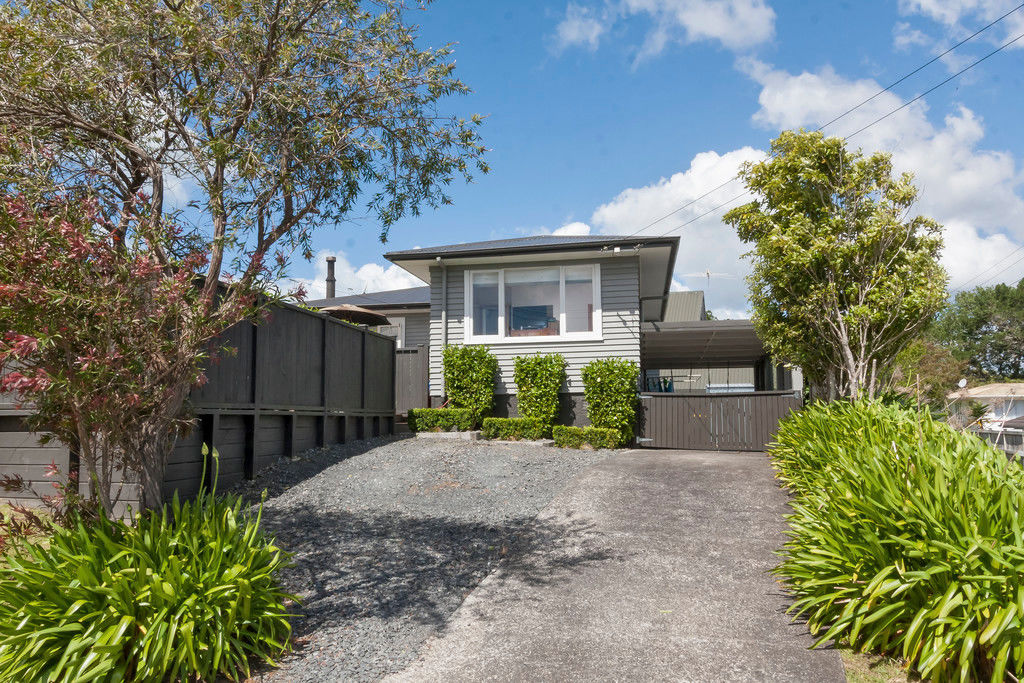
[924, 66]
[963, 285]
[1000, 272]
[936, 87]
[861, 130]
[858, 106]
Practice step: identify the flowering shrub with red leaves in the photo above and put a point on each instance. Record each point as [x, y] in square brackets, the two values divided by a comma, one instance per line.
[64, 507]
[102, 339]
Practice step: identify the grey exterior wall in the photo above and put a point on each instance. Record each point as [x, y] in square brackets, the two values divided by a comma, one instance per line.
[417, 325]
[417, 329]
[620, 309]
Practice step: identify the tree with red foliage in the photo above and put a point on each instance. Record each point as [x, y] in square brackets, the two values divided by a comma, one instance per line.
[279, 117]
[103, 343]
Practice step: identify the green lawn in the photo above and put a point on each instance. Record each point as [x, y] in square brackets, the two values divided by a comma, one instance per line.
[867, 668]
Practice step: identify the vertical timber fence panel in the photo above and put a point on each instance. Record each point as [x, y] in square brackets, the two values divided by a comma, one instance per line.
[716, 422]
[298, 380]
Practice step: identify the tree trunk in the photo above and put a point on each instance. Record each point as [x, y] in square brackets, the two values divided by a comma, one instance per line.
[156, 441]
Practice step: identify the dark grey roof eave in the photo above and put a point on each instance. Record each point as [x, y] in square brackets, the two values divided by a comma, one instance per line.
[430, 254]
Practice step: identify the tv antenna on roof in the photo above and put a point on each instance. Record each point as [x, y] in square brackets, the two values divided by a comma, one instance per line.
[708, 274]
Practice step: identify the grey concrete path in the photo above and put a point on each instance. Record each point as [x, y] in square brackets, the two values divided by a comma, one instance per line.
[665, 576]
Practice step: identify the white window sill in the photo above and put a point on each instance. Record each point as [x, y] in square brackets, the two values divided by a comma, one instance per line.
[513, 341]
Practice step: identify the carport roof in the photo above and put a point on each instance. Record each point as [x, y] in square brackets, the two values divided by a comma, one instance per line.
[665, 346]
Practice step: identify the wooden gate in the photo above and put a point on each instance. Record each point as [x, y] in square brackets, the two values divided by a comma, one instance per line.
[715, 422]
[411, 379]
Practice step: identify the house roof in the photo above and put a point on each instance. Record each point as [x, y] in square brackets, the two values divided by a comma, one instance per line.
[685, 307]
[411, 297]
[657, 256]
[524, 245]
[994, 390]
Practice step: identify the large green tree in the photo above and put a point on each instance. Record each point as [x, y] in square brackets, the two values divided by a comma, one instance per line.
[985, 327]
[275, 117]
[843, 275]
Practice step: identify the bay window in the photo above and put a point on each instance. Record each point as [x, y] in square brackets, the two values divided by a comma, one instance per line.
[533, 304]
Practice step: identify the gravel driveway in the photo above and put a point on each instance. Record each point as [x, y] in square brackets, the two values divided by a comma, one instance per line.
[389, 536]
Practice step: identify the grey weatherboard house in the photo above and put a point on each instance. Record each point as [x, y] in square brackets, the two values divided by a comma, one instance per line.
[585, 297]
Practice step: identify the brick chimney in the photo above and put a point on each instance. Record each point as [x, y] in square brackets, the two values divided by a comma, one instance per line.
[330, 277]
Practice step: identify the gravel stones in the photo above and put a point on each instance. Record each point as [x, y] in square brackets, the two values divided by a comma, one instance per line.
[390, 535]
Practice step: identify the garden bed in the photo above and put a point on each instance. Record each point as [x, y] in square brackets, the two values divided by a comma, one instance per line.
[390, 537]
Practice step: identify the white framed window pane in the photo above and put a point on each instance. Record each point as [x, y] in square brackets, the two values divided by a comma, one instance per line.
[485, 303]
[579, 299]
[532, 302]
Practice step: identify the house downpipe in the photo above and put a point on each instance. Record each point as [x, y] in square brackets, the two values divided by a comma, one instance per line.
[444, 303]
[330, 277]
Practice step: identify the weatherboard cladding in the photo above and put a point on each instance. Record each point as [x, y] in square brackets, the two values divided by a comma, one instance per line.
[620, 306]
[417, 329]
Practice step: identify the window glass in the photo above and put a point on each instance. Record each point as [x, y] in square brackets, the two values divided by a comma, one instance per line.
[485, 303]
[532, 302]
[579, 299]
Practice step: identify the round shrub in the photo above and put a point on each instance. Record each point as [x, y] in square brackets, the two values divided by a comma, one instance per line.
[191, 591]
[610, 389]
[905, 538]
[538, 380]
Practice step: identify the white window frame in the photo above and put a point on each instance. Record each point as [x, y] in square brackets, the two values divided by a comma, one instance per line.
[502, 337]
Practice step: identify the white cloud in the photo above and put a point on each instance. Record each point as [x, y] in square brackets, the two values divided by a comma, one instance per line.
[369, 277]
[960, 183]
[706, 242]
[905, 37]
[736, 24]
[963, 17]
[972, 191]
[574, 228]
[581, 26]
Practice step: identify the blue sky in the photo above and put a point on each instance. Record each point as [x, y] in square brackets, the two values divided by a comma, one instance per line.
[604, 115]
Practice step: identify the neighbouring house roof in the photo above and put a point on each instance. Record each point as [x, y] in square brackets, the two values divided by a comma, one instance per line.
[685, 307]
[355, 314]
[411, 297]
[994, 390]
[657, 257]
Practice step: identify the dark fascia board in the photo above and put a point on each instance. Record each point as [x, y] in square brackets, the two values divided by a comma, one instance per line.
[397, 257]
[701, 325]
[431, 254]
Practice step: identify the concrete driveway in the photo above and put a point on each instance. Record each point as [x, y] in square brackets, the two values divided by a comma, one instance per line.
[666, 578]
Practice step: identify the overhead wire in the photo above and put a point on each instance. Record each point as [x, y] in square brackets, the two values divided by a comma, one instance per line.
[850, 111]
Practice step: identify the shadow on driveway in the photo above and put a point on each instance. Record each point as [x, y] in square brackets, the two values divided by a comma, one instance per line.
[353, 566]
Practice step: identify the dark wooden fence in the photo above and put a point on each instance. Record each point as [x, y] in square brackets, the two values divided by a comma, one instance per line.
[721, 422]
[411, 377]
[297, 381]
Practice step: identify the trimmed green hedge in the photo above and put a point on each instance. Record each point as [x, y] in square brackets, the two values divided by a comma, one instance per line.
[578, 437]
[610, 389]
[441, 419]
[538, 380]
[905, 538]
[469, 373]
[513, 428]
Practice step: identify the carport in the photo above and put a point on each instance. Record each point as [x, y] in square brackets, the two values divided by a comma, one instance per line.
[741, 417]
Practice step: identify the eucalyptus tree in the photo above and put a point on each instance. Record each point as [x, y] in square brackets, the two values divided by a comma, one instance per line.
[844, 276]
[273, 118]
